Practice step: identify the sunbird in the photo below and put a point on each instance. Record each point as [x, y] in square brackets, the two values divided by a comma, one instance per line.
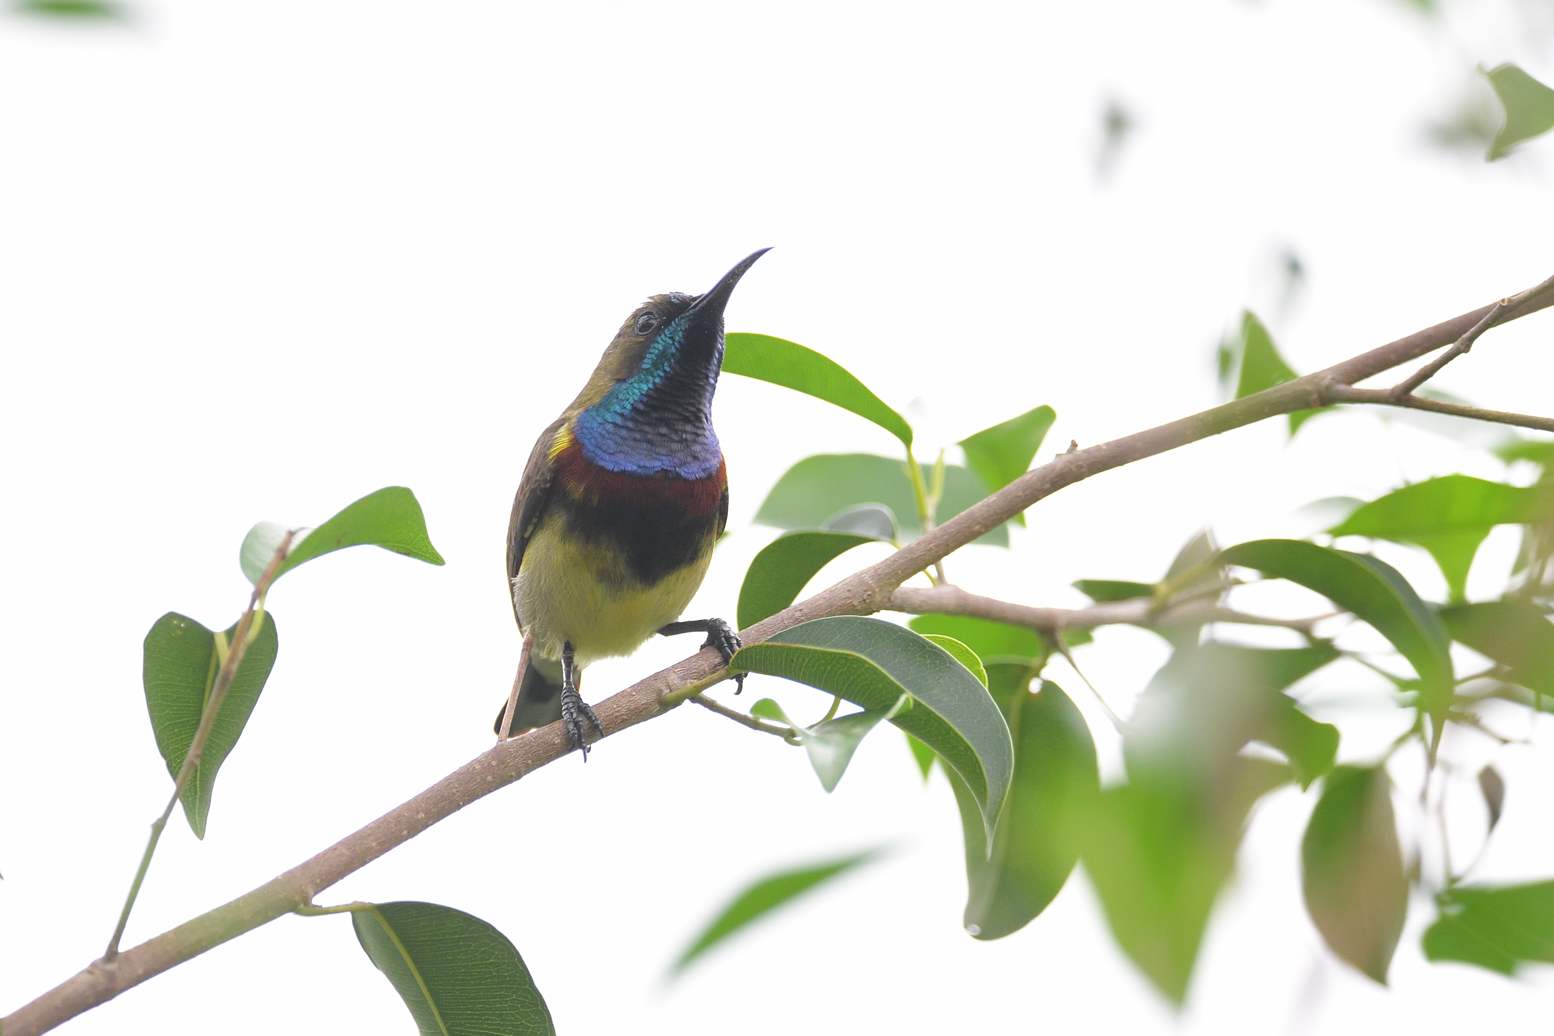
[618, 509]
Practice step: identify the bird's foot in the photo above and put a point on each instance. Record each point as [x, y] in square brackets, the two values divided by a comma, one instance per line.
[577, 719]
[721, 635]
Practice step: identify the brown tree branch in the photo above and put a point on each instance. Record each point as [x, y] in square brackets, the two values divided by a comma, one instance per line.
[861, 593]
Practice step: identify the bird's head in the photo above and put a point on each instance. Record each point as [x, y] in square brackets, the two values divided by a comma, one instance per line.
[648, 407]
[672, 344]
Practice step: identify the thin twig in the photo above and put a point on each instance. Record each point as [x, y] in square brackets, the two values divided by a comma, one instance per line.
[1137, 611]
[191, 759]
[1387, 397]
[1405, 388]
[1062, 649]
[862, 593]
[787, 733]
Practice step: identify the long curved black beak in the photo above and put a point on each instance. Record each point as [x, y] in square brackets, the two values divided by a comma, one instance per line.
[713, 302]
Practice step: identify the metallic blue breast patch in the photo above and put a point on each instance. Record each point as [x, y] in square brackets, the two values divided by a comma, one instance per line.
[635, 444]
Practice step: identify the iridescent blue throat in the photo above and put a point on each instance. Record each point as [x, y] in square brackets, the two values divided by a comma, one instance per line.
[659, 420]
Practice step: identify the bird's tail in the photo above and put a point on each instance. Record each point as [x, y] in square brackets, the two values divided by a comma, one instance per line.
[539, 695]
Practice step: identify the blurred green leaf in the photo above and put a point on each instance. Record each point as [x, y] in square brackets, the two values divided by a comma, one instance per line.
[1513, 633]
[458, 975]
[1159, 849]
[1261, 365]
[762, 897]
[1499, 928]
[1374, 592]
[83, 10]
[1528, 104]
[1492, 787]
[1209, 700]
[1534, 451]
[988, 639]
[871, 663]
[1449, 517]
[1055, 790]
[874, 520]
[784, 566]
[179, 668]
[785, 363]
[1104, 591]
[818, 487]
[1352, 869]
[1003, 453]
[1197, 572]
[389, 518]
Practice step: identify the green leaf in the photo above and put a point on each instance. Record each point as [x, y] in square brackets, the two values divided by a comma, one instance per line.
[872, 663]
[458, 975]
[1373, 591]
[178, 669]
[1511, 632]
[1449, 517]
[1261, 365]
[922, 755]
[1103, 591]
[830, 744]
[1310, 746]
[389, 518]
[818, 487]
[1499, 928]
[1159, 849]
[873, 520]
[1528, 104]
[762, 897]
[1037, 840]
[961, 653]
[784, 566]
[785, 363]
[1003, 453]
[1352, 869]
[988, 639]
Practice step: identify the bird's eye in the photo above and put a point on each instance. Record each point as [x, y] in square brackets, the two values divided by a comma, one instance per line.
[646, 322]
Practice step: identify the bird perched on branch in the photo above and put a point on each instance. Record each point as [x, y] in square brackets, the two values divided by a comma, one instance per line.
[618, 509]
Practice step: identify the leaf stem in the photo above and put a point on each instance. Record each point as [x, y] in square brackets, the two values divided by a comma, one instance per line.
[924, 508]
[787, 733]
[231, 657]
[311, 910]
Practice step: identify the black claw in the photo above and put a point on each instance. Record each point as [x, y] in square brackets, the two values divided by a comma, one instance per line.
[575, 716]
[721, 635]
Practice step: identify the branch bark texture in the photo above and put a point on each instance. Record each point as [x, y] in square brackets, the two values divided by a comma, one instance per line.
[864, 592]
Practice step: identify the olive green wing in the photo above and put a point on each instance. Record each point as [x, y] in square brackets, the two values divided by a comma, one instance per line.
[534, 489]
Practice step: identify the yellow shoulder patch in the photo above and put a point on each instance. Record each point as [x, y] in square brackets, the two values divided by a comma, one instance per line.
[561, 442]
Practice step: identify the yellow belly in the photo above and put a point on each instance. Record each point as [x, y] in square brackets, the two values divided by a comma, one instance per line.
[571, 590]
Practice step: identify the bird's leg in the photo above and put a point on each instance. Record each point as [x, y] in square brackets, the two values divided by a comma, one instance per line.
[574, 710]
[720, 635]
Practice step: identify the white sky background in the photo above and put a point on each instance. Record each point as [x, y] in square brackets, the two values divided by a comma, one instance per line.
[259, 259]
